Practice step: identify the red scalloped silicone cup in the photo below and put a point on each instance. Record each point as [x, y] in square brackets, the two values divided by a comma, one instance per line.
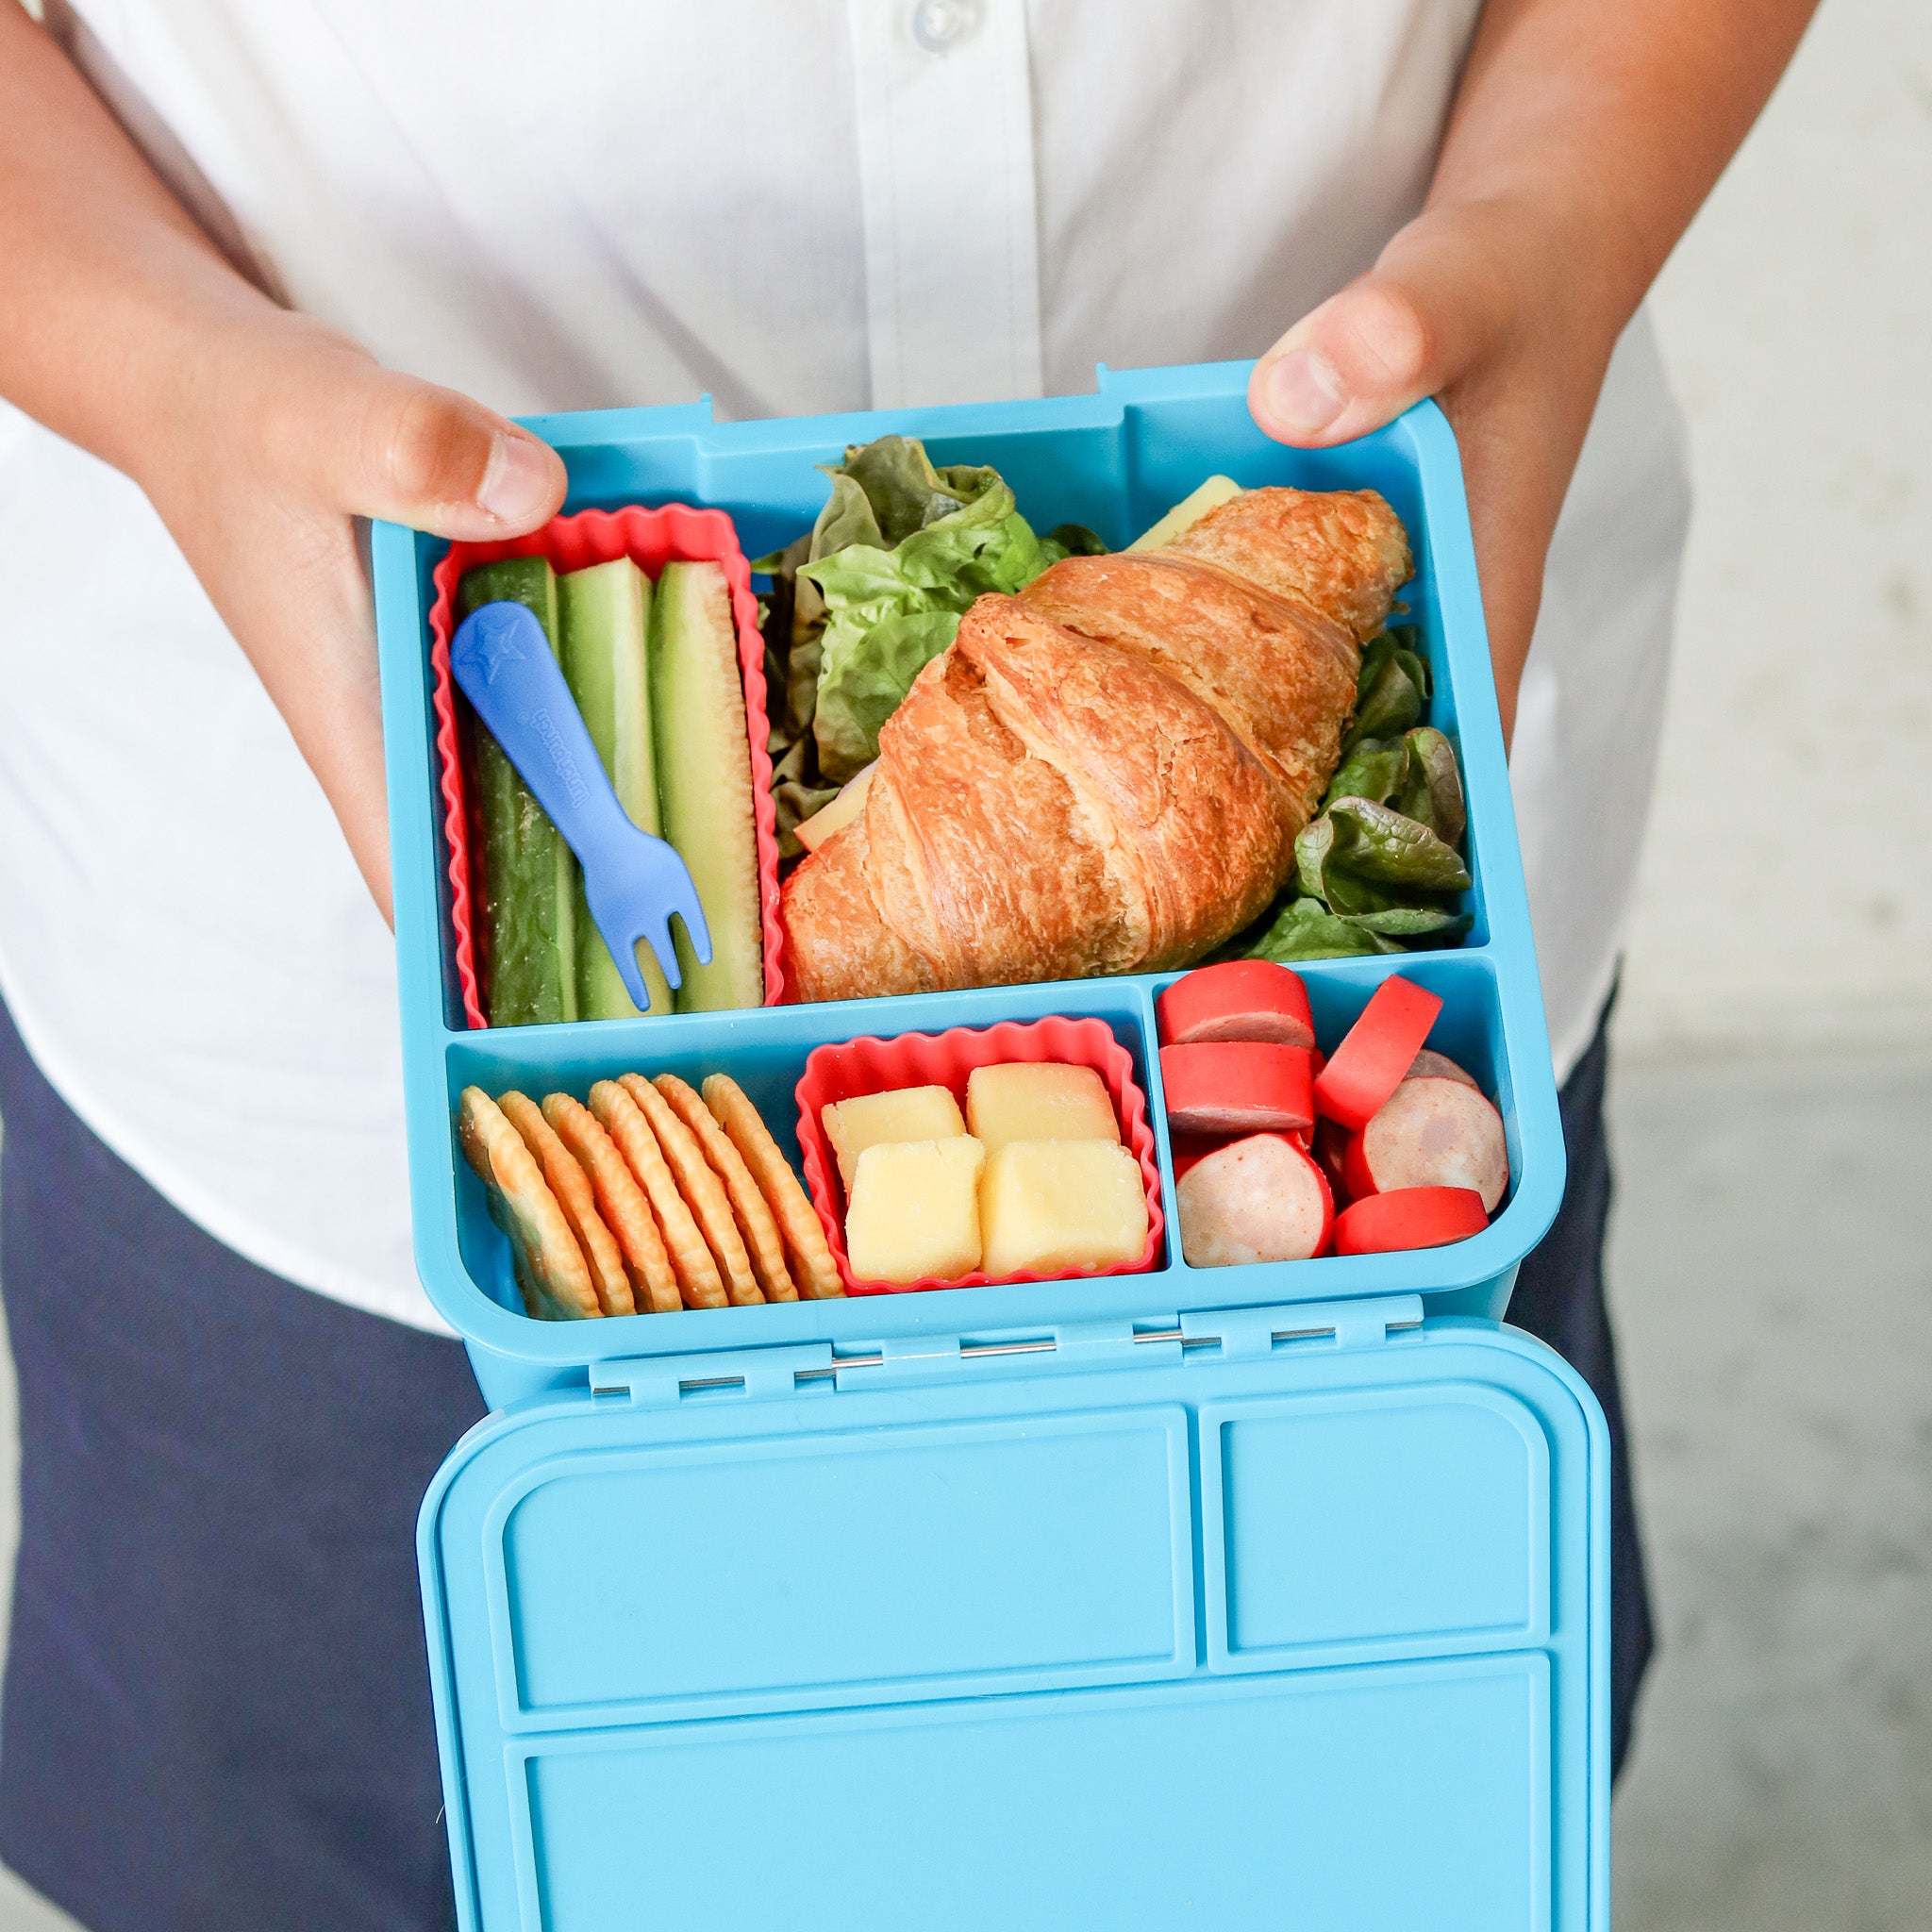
[944, 1060]
[677, 533]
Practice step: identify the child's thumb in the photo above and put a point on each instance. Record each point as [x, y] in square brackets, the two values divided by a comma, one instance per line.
[1360, 359]
[434, 459]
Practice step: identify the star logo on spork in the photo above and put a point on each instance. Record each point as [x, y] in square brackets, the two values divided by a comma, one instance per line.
[499, 645]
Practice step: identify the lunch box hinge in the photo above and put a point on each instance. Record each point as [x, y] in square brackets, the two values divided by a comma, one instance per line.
[1242, 1334]
[912, 1358]
[660, 1381]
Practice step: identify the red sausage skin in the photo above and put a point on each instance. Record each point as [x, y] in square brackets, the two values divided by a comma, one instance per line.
[1409, 1218]
[1237, 1087]
[1238, 999]
[1378, 1050]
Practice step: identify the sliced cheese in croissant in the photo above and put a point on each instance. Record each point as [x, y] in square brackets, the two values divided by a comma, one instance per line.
[1106, 775]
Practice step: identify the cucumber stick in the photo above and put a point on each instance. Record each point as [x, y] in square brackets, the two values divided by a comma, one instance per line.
[605, 612]
[529, 874]
[704, 762]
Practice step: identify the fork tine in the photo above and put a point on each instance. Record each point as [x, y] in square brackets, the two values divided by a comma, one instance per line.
[685, 904]
[656, 935]
[632, 976]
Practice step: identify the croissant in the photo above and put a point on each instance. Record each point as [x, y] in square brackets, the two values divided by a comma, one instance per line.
[1106, 774]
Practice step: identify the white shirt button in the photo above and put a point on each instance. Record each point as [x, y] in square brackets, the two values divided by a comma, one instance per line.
[940, 25]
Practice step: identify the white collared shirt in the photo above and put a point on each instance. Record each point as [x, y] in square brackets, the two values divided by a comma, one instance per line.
[798, 205]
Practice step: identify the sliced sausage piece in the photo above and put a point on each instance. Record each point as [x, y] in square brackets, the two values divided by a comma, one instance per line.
[1190, 1148]
[1329, 1145]
[1237, 1087]
[1409, 1218]
[1376, 1053]
[1258, 1199]
[1430, 1133]
[1238, 999]
[1435, 1066]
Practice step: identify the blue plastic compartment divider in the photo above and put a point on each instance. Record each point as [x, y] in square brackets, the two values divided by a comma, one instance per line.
[1115, 460]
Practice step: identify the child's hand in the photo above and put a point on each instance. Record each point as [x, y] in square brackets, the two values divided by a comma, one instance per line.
[1466, 307]
[1581, 140]
[260, 435]
[285, 433]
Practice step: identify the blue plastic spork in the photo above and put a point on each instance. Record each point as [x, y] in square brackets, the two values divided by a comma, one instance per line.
[634, 882]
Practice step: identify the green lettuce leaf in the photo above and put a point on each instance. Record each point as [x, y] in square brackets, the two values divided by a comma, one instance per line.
[1437, 922]
[899, 553]
[1308, 930]
[865, 679]
[1377, 871]
[1372, 770]
[1072, 540]
[900, 491]
[1313, 846]
[1431, 788]
[1388, 701]
[1392, 687]
[1373, 842]
[1359, 859]
[1416, 774]
[847, 518]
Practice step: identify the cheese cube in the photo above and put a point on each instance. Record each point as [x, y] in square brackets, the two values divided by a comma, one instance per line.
[915, 1209]
[1056, 1205]
[906, 1114]
[1038, 1100]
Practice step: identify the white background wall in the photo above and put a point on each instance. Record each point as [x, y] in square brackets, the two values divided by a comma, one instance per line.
[1785, 894]
[1770, 1263]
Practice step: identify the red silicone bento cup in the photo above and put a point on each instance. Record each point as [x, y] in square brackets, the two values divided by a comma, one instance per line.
[651, 538]
[944, 1060]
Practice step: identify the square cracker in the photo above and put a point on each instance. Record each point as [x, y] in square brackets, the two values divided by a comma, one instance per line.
[572, 1188]
[755, 1223]
[798, 1220]
[621, 1117]
[704, 1192]
[622, 1203]
[550, 1268]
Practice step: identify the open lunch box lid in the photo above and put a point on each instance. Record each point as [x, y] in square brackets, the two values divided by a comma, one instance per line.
[1197, 1595]
[1132, 1633]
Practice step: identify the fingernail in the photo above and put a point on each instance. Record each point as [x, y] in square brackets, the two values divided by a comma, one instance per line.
[1304, 395]
[516, 485]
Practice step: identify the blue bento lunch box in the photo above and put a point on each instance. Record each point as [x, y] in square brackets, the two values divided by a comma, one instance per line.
[1231, 1597]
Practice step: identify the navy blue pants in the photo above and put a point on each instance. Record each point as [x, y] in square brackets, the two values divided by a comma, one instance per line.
[1559, 1297]
[216, 1706]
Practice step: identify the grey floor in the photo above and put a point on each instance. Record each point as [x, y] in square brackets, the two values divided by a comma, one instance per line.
[1772, 1275]
[1773, 1279]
